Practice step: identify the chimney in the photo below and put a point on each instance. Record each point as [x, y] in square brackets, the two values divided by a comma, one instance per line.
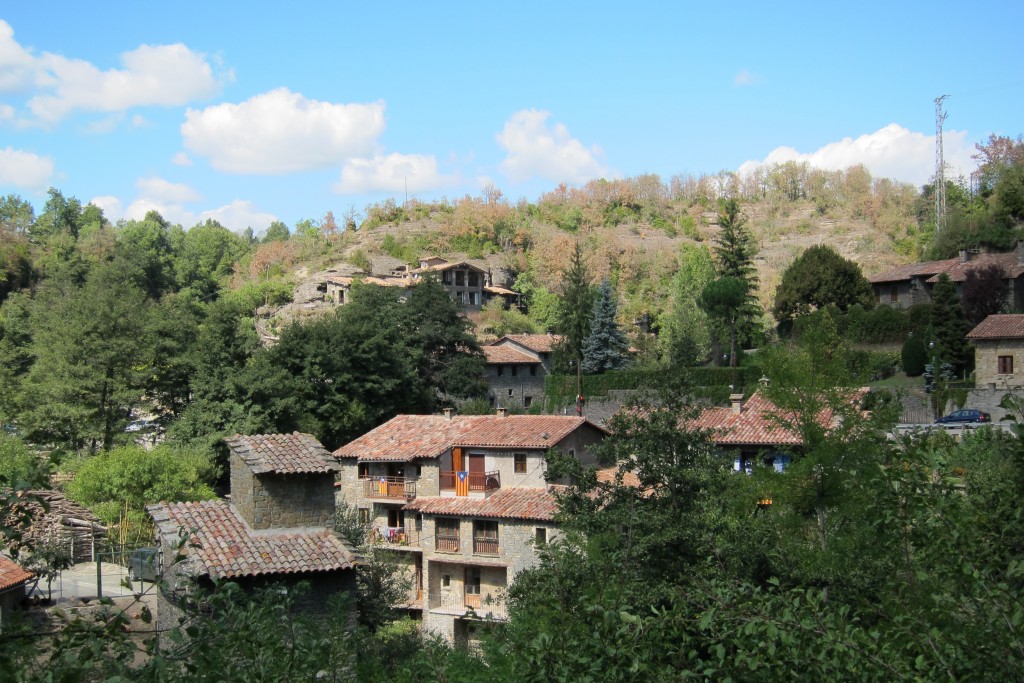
[448, 413]
[502, 412]
[737, 403]
[965, 256]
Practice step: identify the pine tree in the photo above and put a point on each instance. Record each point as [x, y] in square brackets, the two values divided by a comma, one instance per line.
[574, 313]
[949, 325]
[606, 347]
[734, 250]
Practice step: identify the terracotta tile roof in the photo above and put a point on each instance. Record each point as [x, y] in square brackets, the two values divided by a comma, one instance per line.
[512, 503]
[540, 343]
[437, 268]
[12, 574]
[523, 431]
[507, 355]
[222, 545]
[909, 270]
[293, 453]
[406, 437]
[607, 476]
[502, 291]
[373, 280]
[754, 425]
[1008, 262]
[1000, 326]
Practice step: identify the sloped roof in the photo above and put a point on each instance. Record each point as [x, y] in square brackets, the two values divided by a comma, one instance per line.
[501, 291]
[540, 343]
[754, 425]
[438, 267]
[406, 437]
[1009, 263]
[507, 355]
[523, 431]
[373, 280]
[12, 574]
[294, 453]
[909, 270]
[222, 545]
[999, 326]
[512, 503]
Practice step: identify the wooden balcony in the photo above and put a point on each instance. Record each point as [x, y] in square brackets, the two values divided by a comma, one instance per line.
[478, 481]
[485, 546]
[395, 536]
[446, 544]
[393, 488]
[458, 602]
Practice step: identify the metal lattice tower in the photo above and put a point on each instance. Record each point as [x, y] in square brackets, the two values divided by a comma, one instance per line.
[940, 167]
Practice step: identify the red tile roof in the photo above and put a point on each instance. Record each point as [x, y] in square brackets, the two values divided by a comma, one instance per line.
[407, 437]
[608, 475]
[754, 425]
[523, 431]
[507, 355]
[293, 453]
[512, 503]
[223, 546]
[540, 343]
[1000, 326]
[12, 574]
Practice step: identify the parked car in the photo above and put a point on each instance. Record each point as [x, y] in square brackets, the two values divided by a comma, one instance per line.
[965, 418]
[138, 426]
[142, 565]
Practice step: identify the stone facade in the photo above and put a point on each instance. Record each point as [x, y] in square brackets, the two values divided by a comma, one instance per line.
[281, 501]
[520, 386]
[987, 365]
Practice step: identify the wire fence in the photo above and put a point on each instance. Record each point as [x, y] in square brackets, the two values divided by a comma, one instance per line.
[105, 574]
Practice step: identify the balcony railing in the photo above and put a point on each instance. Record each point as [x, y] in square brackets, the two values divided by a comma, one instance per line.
[489, 604]
[389, 487]
[447, 544]
[478, 481]
[395, 535]
[485, 546]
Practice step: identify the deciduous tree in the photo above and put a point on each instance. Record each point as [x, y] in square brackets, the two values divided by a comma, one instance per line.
[820, 277]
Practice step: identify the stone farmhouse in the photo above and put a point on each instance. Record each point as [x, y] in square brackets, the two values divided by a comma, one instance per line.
[911, 284]
[999, 351]
[277, 528]
[516, 367]
[462, 500]
[467, 283]
[13, 582]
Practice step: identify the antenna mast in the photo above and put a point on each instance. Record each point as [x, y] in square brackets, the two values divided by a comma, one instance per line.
[940, 168]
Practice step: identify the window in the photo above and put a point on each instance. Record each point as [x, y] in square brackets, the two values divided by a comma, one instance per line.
[541, 535]
[446, 277]
[364, 515]
[446, 537]
[474, 279]
[510, 393]
[446, 580]
[460, 278]
[485, 537]
[894, 293]
[419, 522]
[1005, 365]
[501, 370]
[527, 401]
[473, 299]
[514, 370]
[364, 470]
[472, 580]
[533, 371]
[519, 463]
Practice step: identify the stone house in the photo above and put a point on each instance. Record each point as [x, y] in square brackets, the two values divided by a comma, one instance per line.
[907, 285]
[277, 528]
[13, 582]
[462, 500]
[464, 281]
[999, 351]
[516, 367]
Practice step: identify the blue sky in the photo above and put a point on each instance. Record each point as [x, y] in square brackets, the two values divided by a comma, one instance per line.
[252, 112]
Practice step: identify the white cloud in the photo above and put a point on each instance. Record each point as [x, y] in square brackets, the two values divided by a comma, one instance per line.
[170, 212]
[6, 112]
[282, 132]
[111, 206]
[744, 77]
[536, 150]
[164, 75]
[181, 159]
[239, 215]
[163, 190]
[25, 169]
[391, 173]
[890, 152]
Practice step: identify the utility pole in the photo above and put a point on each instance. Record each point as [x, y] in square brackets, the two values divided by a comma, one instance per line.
[940, 168]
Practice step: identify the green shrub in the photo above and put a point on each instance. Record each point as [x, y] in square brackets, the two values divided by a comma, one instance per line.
[914, 356]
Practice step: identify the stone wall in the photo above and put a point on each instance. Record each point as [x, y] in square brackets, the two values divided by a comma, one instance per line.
[522, 390]
[282, 501]
[986, 363]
